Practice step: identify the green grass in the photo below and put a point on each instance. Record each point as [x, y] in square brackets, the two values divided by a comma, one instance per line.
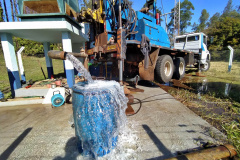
[218, 72]
[32, 70]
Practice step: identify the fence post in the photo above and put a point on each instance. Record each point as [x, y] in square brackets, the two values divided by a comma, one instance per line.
[230, 58]
[20, 63]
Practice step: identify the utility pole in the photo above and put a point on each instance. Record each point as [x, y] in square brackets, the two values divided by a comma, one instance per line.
[177, 18]
[166, 19]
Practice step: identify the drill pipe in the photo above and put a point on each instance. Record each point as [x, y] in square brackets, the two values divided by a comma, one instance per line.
[54, 54]
[223, 151]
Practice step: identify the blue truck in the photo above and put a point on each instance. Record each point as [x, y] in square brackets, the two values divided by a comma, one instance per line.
[118, 34]
[131, 43]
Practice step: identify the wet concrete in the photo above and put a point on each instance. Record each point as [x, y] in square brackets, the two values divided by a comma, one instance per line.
[163, 127]
[36, 132]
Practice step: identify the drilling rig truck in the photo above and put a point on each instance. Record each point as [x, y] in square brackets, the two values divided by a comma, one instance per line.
[136, 44]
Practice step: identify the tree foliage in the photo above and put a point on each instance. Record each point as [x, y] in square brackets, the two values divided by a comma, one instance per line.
[1, 12]
[5, 10]
[32, 48]
[157, 11]
[202, 20]
[224, 30]
[214, 19]
[228, 9]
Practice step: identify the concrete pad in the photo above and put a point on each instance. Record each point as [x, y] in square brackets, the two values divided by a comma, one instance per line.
[169, 125]
[21, 102]
[163, 127]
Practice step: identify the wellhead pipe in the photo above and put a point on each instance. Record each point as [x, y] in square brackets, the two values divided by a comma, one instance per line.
[54, 54]
[220, 152]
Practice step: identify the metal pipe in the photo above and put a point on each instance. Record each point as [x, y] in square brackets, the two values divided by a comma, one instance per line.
[223, 151]
[54, 54]
[121, 60]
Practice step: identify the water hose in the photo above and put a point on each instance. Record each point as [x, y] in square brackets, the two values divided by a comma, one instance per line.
[138, 108]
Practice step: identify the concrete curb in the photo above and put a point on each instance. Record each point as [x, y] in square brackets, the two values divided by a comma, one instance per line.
[17, 103]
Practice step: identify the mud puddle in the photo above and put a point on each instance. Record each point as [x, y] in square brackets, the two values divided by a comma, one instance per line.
[204, 85]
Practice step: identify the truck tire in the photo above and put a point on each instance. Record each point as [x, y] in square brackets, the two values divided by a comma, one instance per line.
[205, 67]
[164, 69]
[179, 71]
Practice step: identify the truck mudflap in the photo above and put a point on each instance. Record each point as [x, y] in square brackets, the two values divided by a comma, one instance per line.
[148, 74]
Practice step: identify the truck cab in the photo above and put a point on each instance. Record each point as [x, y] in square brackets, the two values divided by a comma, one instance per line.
[197, 43]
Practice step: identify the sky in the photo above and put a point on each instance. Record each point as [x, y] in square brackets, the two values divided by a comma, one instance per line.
[212, 6]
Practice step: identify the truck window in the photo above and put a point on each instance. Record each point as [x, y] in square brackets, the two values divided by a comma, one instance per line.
[193, 38]
[180, 40]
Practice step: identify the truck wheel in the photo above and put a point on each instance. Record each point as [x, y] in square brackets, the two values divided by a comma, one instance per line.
[164, 69]
[179, 71]
[205, 66]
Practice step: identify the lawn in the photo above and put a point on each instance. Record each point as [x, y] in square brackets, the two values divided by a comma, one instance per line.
[32, 70]
[219, 70]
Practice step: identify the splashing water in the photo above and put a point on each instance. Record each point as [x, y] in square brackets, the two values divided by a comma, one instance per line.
[99, 116]
[79, 67]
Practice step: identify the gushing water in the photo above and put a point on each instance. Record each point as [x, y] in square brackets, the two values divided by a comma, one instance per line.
[99, 116]
[79, 67]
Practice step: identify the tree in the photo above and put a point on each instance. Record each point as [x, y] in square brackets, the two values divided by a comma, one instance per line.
[5, 9]
[16, 9]
[226, 31]
[185, 14]
[228, 8]
[88, 3]
[203, 20]
[157, 11]
[195, 27]
[214, 19]
[12, 10]
[1, 12]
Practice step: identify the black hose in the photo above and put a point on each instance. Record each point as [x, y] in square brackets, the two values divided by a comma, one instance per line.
[135, 23]
[138, 108]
